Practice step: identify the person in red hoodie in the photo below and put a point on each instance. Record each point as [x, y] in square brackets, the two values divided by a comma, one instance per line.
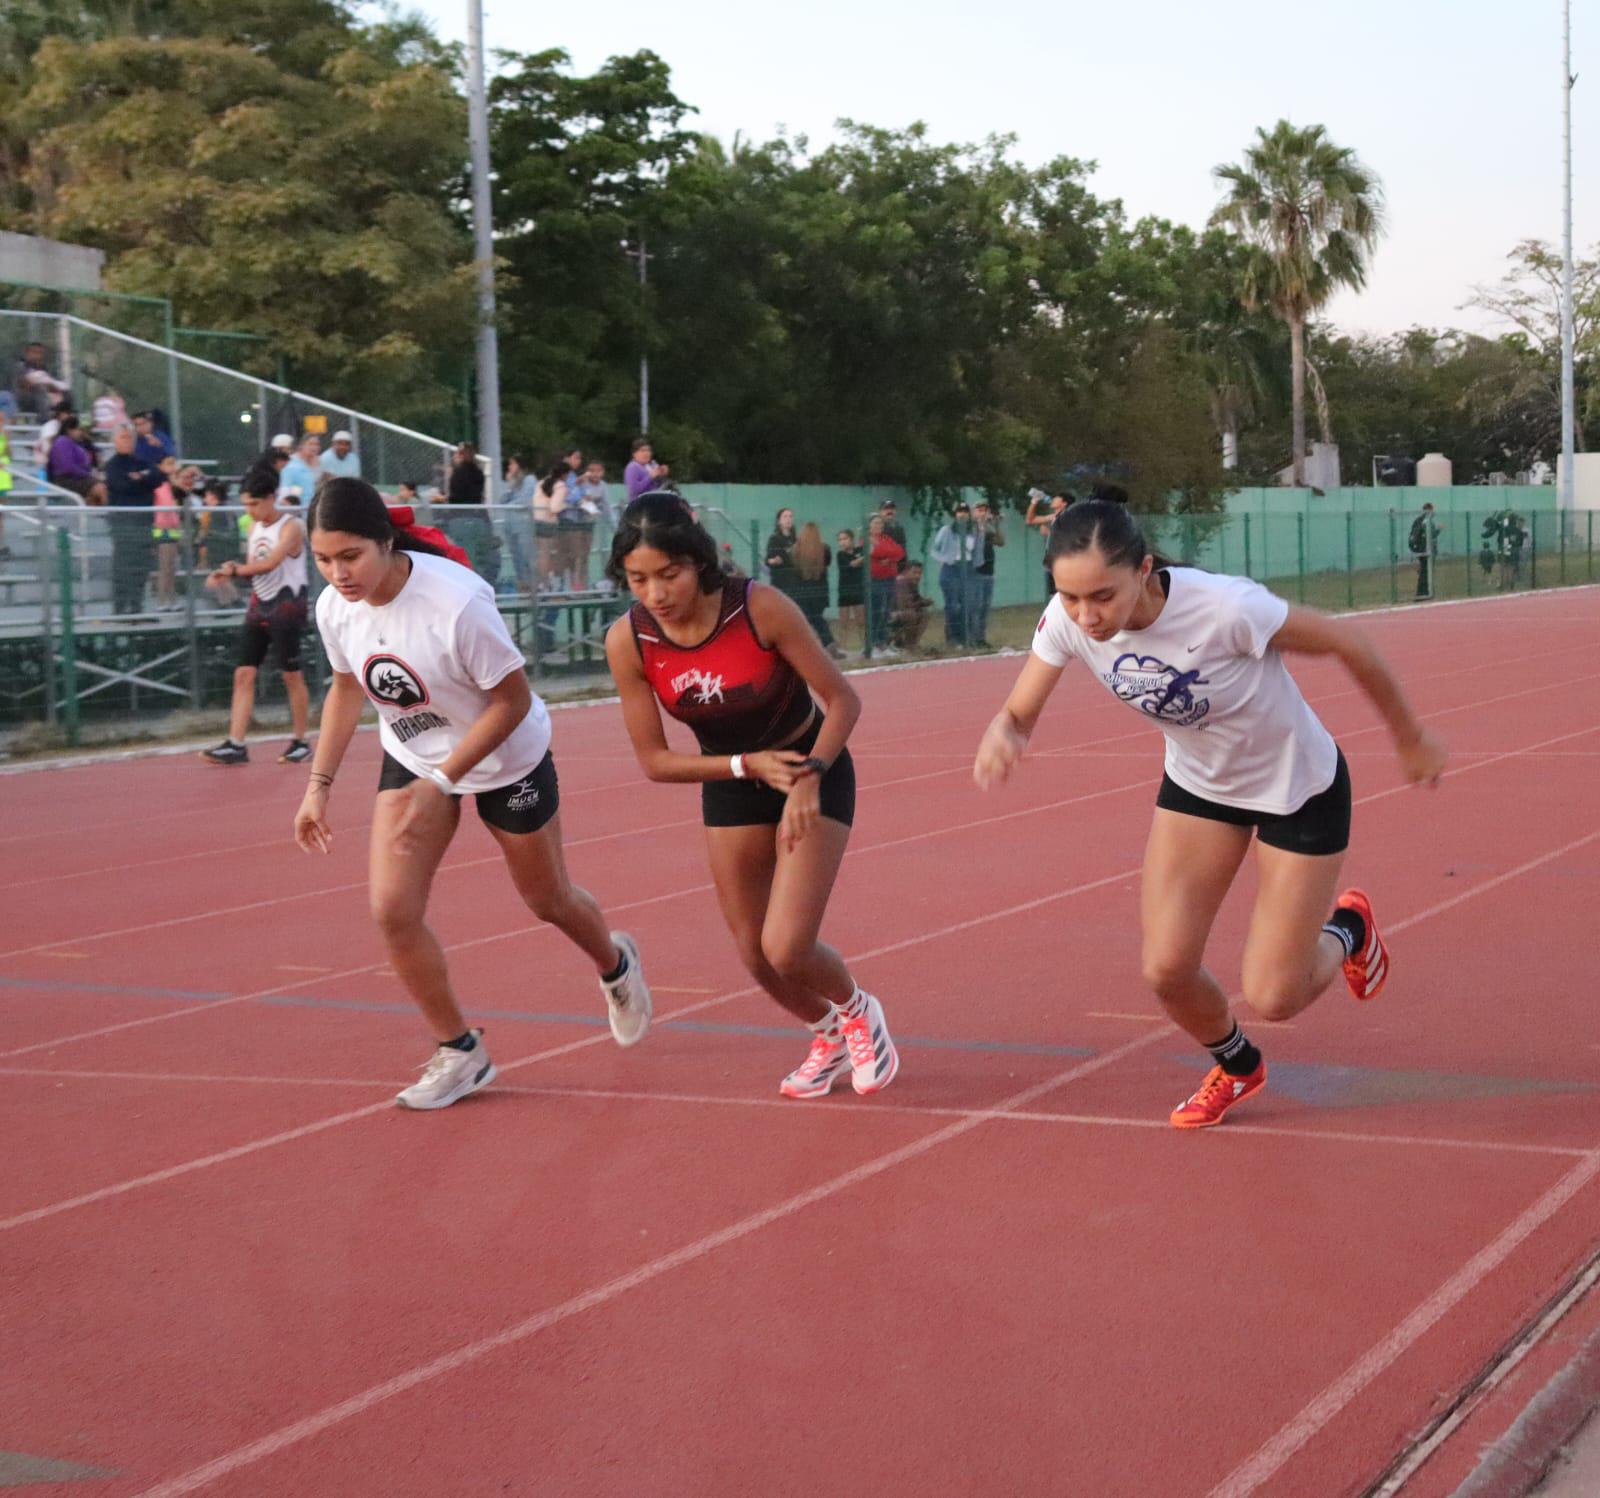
[884, 556]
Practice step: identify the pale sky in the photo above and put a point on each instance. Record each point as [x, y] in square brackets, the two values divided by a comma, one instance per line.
[1456, 104]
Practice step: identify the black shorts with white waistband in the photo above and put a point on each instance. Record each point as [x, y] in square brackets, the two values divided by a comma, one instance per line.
[754, 803]
[1320, 827]
[520, 808]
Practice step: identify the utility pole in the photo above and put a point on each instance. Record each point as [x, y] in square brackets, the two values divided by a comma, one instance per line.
[643, 257]
[483, 253]
[1568, 476]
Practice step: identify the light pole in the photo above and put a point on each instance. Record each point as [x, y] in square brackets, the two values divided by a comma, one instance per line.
[1568, 477]
[483, 253]
[643, 257]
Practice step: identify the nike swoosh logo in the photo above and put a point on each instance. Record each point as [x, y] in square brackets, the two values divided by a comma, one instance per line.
[1193, 648]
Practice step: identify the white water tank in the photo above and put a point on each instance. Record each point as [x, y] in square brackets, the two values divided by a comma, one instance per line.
[1434, 472]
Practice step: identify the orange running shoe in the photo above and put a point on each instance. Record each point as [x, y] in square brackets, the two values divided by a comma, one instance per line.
[1218, 1093]
[1365, 971]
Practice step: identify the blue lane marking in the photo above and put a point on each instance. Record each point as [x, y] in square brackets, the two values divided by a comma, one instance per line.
[111, 990]
[1327, 1086]
[525, 1016]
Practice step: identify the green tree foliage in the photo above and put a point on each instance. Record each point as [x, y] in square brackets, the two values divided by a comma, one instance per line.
[290, 174]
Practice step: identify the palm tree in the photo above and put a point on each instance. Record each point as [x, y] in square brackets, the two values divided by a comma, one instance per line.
[1310, 214]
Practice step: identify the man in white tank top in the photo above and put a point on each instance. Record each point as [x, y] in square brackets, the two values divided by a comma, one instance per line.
[275, 564]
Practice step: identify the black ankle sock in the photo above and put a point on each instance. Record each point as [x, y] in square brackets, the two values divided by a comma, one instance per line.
[465, 1041]
[1234, 1054]
[618, 970]
[1348, 926]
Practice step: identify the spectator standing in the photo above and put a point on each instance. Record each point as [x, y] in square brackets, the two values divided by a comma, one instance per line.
[1424, 544]
[6, 482]
[472, 529]
[131, 484]
[303, 471]
[812, 558]
[990, 535]
[890, 511]
[639, 476]
[1042, 511]
[884, 556]
[173, 500]
[588, 502]
[851, 559]
[516, 499]
[911, 609]
[956, 549]
[573, 528]
[154, 441]
[342, 461]
[221, 540]
[37, 390]
[549, 501]
[780, 552]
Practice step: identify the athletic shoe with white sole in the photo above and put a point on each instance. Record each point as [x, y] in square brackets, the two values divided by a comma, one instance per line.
[297, 751]
[448, 1076]
[628, 1004]
[873, 1058]
[826, 1061]
[1365, 971]
[227, 753]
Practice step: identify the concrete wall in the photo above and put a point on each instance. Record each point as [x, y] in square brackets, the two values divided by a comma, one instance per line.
[47, 262]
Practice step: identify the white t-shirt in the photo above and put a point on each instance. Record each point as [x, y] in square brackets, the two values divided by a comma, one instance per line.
[427, 659]
[1238, 731]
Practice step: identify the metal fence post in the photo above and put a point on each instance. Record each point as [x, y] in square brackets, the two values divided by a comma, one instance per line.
[69, 643]
[1300, 548]
[1247, 569]
[1533, 549]
[1561, 548]
[44, 564]
[1394, 562]
[1591, 546]
[186, 553]
[1472, 555]
[755, 549]
[1349, 559]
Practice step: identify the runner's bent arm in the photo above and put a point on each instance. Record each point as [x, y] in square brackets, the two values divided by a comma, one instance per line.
[1306, 632]
[780, 625]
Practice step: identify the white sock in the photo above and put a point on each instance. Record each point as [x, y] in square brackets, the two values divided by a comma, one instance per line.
[856, 1005]
[828, 1025]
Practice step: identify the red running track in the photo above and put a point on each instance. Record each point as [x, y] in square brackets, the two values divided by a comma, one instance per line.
[233, 1267]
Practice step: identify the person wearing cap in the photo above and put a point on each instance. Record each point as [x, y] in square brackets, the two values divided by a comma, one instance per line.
[891, 522]
[343, 462]
[283, 443]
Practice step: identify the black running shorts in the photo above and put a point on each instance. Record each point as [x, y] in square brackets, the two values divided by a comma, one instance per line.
[754, 803]
[1320, 827]
[276, 625]
[522, 807]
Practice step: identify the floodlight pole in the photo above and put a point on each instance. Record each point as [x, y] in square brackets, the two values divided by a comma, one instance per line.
[1568, 477]
[483, 252]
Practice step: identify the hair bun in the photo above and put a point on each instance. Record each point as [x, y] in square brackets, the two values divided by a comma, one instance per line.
[1112, 494]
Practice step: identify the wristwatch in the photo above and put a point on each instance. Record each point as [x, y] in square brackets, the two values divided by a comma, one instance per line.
[812, 766]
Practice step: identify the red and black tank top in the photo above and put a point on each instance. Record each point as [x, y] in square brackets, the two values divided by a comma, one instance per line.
[737, 694]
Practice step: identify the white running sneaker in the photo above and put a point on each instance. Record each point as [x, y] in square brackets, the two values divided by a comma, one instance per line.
[448, 1076]
[873, 1058]
[628, 999]
[826, 1061]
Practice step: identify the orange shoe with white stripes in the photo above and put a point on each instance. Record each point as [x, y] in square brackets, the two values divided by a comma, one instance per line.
[1367, 970]
[1218, 1093]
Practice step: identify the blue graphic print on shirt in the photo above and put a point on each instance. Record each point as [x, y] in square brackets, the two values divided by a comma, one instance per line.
[1160, 690]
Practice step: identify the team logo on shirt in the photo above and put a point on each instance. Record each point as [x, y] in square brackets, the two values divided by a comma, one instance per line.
[1164, 692]
[391, 682]
[703, 686]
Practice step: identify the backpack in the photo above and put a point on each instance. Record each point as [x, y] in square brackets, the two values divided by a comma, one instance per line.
[1419, 535]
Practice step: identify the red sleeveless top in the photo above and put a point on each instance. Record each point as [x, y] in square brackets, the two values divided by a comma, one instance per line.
[737, 694]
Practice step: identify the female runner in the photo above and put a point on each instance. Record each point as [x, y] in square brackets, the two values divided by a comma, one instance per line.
[1203, 655]
[419, 635]
[734, 660]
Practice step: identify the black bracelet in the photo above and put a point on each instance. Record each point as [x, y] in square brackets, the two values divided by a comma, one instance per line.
[812, 766]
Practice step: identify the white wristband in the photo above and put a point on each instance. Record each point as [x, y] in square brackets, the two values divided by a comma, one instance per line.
[736, 764]
[443, 781]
